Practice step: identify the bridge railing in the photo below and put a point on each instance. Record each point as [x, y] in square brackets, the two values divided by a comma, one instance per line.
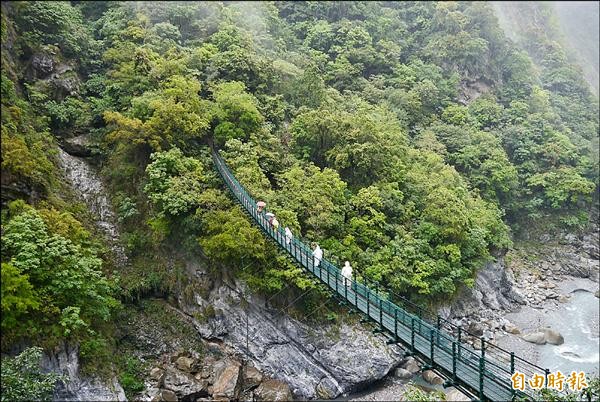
[493, 365]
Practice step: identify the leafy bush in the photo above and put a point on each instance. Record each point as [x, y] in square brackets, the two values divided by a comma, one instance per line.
[22, 379]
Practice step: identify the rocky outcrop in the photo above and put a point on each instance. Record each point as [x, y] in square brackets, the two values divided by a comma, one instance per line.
[322, 360]
[184, 385]
[216, 375]
[273, 390]
[78, 146]
[65, 361]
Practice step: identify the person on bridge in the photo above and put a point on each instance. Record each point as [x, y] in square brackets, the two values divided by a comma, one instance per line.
[318, 255]
[288, 235]
[275, 224]
[260, 206]
[347, 273]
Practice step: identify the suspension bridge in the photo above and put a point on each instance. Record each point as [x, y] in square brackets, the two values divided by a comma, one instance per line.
[485, 373]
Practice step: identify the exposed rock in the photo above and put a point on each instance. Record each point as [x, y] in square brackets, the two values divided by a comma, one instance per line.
[411, 365]
[166, 395]
[512, 328]
[403, 373]
[273, 390]
[432, 377]
[347, 354]
[77, 146]
[452, 394]
[563, 298]
[597, 294]
[42, 64]
[551, 336]
[570, 354]
[156, 373]
[184, 385]
[493, 290]
[228, 384]
[251, 377]
[186, 364]
[65, 361]
[535, 337]
[475, 328]
[327, 389]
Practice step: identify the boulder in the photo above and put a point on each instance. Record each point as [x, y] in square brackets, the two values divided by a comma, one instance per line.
[228, 384]
[327, 389]
[432, 377]
[156, 373]
[167, 396]
[411, 365]
[403, 373]
[511, 328]
[273, 390]
[185, 364]
[251, 377]
[475, 328]
[552, 337]
[535, 337]
[77, 146]
[452, 394]
[183, 385]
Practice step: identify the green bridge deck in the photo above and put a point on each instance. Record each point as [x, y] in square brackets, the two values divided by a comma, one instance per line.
[484, 373]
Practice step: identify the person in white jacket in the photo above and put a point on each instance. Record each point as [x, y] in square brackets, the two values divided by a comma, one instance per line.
[288, 235]
[318, 255]
[347, 273]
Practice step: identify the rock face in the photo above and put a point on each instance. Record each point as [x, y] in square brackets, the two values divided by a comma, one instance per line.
[183, 385]
[65, 361]
[228, 383]
[273, 390]
[319, 361]
[493, 290]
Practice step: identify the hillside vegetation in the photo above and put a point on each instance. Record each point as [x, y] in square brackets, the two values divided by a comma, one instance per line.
[410, 138]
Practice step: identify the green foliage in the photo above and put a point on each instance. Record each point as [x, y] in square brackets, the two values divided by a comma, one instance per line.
[23, 380]
[174, 182]
[67, 276]
[236, 113]
[131, 376]
[53, 22]
[414, 393]
[18, 296]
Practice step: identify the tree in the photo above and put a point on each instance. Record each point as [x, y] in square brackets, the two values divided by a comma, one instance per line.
[236, 112]
[174, 182]
[23, 380]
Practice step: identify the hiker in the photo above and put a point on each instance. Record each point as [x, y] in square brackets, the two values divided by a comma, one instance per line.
[347, 273]
[275, 224]
[288, 235]
[318, 254]
[260, 206]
